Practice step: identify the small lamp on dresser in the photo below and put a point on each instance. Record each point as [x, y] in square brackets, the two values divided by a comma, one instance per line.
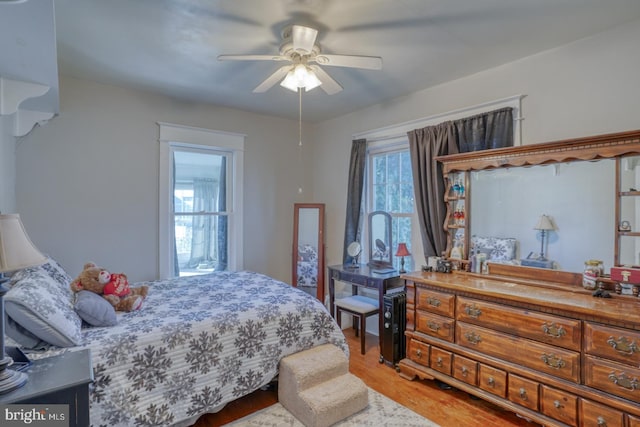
[16, 252]
[402, 252]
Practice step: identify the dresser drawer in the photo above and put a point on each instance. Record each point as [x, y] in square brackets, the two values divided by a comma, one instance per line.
[435, 302]
[435, 325]
[559, 405]
[440, 360]
[613, 343]
[596, 415]
[542, 327]
[523, 391]
[419, 352]
[532, 354]
[492, 380]
[465, 369]
[634, 421]
[612, 377]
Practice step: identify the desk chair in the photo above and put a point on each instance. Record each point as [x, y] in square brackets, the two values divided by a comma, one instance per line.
[358, 306]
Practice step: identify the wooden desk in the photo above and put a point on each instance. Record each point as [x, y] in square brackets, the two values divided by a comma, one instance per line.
[363, 276]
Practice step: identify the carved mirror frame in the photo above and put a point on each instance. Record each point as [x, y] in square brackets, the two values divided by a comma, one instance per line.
[608, 146]
[308, 246]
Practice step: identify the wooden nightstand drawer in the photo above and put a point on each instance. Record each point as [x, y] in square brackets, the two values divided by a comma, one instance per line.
[435, 325]
[419, 352]
[622, 345]
[440, 360]
[532, 354]
[541, 327]
[492, 380]
[523, 392]
[596, 415]
[435, 302]
[465, 369]
[612, 377]
[559, 405]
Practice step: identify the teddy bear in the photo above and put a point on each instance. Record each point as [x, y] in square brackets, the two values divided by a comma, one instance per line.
[114, 287]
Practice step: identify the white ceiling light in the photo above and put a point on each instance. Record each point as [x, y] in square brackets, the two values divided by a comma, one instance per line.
[300, 76]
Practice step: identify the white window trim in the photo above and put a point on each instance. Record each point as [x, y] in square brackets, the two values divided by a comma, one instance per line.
[172, 135]
[398, 133]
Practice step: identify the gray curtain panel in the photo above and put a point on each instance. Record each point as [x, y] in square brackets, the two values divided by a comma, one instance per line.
[221, 235]
[493, 129]
[354, 195]
[428, 184]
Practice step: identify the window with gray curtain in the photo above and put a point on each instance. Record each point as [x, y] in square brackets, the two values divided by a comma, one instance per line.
[493, 129]
[355, 185]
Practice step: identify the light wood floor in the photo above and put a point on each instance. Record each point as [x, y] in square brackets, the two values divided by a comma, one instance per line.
[445, 407]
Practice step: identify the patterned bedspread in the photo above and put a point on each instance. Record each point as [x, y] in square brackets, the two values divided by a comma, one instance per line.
[198, 343]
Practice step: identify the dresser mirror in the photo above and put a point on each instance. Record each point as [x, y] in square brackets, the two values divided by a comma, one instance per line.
[579, 197]
[587, 186]
[308, 248]
[380, 255]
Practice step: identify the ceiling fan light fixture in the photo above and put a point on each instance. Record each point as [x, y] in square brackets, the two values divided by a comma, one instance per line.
[300, 76]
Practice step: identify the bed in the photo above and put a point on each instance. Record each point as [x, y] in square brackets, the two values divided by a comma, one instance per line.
[198, 342]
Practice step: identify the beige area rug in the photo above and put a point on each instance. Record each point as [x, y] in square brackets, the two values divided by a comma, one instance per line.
[381, 411]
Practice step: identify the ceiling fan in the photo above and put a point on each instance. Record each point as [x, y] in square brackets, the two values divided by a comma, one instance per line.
[304, 57]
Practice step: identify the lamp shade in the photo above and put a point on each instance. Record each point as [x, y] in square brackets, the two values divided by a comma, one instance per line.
[300, 76]
[16, 249]
[402, 250]
[544, 223]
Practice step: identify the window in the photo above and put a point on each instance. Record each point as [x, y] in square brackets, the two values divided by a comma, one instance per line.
[390, 189]
[200, 201]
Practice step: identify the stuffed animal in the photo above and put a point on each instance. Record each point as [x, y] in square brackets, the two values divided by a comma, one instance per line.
[114, 287]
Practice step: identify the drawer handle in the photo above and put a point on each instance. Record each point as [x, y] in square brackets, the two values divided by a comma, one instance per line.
[419, 354]
[472, 337]
[553, 361]
[465, 371]
[602, 422]
[624, 381]
[492, 382]
[439, 362]
[557, 404]
[472, 311]
[523, 394]
[553, 330]
[433, 326]
[623, 346]
[433, 301]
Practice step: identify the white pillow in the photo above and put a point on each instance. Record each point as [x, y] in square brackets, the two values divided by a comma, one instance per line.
[39, 304]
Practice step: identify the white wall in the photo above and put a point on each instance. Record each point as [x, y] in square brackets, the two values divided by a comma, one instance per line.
[589, 87]
[7, 165]
[87, 182]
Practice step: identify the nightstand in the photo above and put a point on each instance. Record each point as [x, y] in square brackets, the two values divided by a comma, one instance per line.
[62, 379]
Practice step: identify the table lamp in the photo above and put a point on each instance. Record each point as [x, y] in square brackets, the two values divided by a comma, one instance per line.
[402, 252]
[545, 224]
[16, 252]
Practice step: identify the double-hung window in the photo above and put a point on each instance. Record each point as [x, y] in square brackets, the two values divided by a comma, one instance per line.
[390, 189]
[200, 201]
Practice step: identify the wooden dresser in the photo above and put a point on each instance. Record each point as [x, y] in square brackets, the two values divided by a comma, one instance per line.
[548, 351]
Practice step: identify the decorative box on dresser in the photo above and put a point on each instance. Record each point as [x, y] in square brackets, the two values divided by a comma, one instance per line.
[530, 341]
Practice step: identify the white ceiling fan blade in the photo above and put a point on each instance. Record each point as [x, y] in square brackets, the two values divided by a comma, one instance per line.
[303, 38]
[351, 61]
[328, 85]
[272, 79]
[251, 58]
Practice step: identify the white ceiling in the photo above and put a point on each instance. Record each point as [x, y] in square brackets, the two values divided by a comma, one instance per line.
[171, 46]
